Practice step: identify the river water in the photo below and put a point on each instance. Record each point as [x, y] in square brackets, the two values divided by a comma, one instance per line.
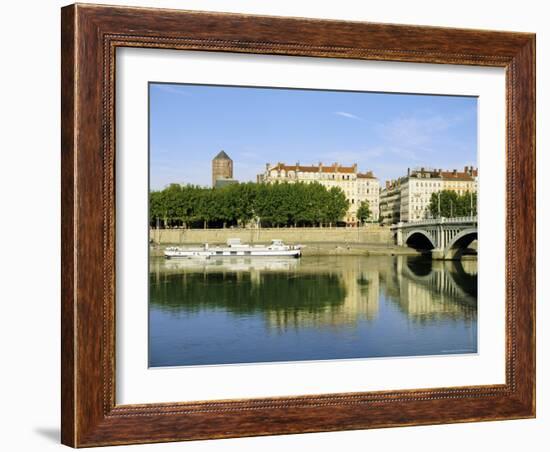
[314, 308]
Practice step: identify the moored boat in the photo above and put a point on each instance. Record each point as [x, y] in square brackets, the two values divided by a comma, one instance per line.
[235, 248]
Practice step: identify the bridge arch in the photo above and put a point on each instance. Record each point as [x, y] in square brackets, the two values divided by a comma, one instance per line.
[460, 242]
[420, 239]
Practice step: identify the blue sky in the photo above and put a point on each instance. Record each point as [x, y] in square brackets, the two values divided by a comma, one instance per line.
[385, 133]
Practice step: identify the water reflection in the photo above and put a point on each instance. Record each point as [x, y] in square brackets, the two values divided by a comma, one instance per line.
[429, 290]
[312, 291]
[340, 306]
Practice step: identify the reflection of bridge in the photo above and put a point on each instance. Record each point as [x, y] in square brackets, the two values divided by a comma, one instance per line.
[449, 278]
[446, 238]
[428, 290]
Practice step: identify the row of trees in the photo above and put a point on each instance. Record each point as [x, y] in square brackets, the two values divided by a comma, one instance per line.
[450, 204]
[240, 204]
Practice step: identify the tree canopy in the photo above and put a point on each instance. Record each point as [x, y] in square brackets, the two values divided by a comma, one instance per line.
[450, 204]
[364, 212]
[270, 205]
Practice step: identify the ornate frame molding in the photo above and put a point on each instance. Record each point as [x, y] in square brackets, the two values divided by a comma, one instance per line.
[90, 37]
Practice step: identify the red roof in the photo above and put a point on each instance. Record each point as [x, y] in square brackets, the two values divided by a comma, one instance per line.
[334, 168]
[367, 175]
[459, 175]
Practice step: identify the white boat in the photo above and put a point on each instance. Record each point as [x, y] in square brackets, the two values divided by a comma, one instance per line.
[235, 248]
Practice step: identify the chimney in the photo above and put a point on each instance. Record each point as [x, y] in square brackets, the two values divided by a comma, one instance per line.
[354, 166]
[408, 171]
[320, 166]
[454, 172]
[267, 166]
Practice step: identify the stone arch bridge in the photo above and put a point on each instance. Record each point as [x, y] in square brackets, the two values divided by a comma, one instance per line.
[445, 238]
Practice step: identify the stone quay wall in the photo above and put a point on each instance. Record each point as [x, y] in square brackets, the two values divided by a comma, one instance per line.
[370, 234]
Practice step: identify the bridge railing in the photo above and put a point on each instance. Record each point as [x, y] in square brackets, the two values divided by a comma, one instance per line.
[442, 220]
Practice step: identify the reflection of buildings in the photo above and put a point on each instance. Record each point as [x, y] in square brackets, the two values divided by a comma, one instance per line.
[325, 292]
[469, 266]
[390, 202]
[360, 303]
[358, 287]
[357, 187]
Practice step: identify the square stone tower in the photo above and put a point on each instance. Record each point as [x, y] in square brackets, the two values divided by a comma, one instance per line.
[222, 167]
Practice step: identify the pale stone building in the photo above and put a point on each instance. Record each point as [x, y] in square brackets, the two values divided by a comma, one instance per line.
[416, 192]
[419, 185]
[390, 202]
[460, 181]
[357, 187]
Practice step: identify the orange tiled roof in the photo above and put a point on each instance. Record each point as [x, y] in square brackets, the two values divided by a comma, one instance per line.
[448, 174]
[367, 175]
[334, 168]
[459, 175]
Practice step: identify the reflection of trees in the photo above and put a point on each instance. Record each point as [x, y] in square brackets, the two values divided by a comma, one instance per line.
[288, 294]
[329, 291]
[360, 301]
[239, 293]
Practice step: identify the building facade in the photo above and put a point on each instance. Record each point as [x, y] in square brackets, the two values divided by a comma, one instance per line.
[390, 202]
[356, 186]
[408, 198]
[222, 168]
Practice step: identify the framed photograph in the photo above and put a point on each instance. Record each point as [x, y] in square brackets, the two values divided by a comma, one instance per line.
[281, 225]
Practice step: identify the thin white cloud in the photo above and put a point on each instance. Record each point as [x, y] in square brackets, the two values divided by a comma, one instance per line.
[345, 114]
[172, 89]
[415, 131]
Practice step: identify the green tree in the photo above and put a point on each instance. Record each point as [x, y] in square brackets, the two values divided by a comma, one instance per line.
[450, 204]
[276, 205]
[363, 212]
[336, 206]
[155, 207]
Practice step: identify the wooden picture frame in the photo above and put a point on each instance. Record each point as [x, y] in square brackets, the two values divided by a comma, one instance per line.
[90, 36]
